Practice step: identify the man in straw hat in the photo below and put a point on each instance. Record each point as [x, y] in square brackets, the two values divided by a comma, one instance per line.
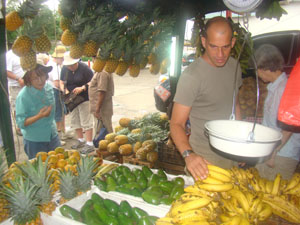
[77, 76]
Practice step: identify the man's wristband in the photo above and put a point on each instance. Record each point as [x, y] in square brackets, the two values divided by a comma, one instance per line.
[186, 153]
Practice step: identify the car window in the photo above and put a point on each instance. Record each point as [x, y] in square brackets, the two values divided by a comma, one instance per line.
[282, 42]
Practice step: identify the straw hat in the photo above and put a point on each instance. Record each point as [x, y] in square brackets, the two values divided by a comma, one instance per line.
[68, 60]
[59, 51]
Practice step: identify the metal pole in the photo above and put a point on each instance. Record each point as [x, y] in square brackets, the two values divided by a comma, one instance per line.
[5, 119]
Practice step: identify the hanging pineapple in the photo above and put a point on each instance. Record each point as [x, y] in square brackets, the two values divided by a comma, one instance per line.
[102, 56]
[90, 48]
[22, 45]
[68, 37]
[28, 61]
[37, 173]
[23, 204]
[64, 23]
[113, 61]
[28, 9]
[126, 59]
[42, 44]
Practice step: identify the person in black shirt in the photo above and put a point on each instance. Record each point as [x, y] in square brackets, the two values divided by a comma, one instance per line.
[77, 76]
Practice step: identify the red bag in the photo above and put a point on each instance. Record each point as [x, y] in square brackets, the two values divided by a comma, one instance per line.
[289, 108]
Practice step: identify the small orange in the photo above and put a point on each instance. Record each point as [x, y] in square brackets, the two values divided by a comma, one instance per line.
[76, 154]
[52, 159]
[72, 160]
[59, 150]
[69, 167]
[44, 156]
[51, 153]
[60, 156]
[51, 166]
[61, 163]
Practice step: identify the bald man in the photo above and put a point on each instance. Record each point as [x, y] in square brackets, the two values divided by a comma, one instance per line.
[205, 92]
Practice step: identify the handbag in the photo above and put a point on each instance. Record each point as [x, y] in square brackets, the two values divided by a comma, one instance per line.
[72, 100]
[100, 133]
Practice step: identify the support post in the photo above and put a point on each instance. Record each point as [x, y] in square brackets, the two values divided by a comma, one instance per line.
[5, 119]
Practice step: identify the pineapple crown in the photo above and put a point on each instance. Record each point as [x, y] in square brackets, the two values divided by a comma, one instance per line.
[23, 203]
[37, 173]
[30, 8]
[67, 184]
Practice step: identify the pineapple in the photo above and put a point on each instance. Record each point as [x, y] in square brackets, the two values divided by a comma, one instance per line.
[22, 45]
[144, 62]
[68, 37]
[4, 212]
[90, 48]
[76, 50]
[126, 59]
[23, 204]
[67, 186]
[124, 122]
[37, 173]
[28, 62]
[42, 44]
[121, 68]
[28, 9]
[64, 23]
[98, 64]
[111, 65]
[85, 169]
[134, 70]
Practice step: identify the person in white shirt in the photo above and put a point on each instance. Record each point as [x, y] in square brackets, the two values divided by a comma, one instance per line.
[14, 73]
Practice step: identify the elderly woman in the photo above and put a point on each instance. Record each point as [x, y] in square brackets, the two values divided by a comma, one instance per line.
[35, 108]
[286, 156]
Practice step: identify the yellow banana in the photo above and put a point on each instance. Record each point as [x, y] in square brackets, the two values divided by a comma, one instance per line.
[241, 198]
[190, 215]
[234, 221]
[295, 190]
[265, 213]
[211, 180]
[293, 182]
[195, 222]
[224, 218]
[219, 170]
[236, 207]
[164, 221]
[244, 221]
[191, 196]
[219, 176]
[255, 204]
[269, 186]
[105, 169]
[283, 208]
[190, 205]
[254, 184]
[216, 187]
[262, 184]
[250, 197]
[276, 185]
[191, 188]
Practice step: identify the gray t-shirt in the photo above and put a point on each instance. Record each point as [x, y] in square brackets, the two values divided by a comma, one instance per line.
[209, 91]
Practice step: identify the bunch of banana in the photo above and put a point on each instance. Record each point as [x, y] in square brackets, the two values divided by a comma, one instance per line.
[241, 177]
[105, 168]
[283, 208]
[218, 180]
[274, 10]
[275, 187]
[293, 186]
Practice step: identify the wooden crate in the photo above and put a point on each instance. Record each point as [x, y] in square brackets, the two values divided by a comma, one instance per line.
[135, 161]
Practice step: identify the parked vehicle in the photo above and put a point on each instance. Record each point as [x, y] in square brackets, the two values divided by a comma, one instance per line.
[288, 42]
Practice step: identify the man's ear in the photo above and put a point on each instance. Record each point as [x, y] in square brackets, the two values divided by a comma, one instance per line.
[233, 41]
[203, 41]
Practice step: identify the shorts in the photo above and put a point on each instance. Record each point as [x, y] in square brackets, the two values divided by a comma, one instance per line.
[31, 148]
[81, 117]
[283, 165]
[13, 93]
[59, 105]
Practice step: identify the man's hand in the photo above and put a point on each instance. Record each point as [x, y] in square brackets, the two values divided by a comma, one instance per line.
[97, 115]
[45, 111]
[78, 90]
[197, 166]
[21, 82]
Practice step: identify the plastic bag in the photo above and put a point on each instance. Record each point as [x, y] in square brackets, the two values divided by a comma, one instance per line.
[289, 108]
[162, 94]
[100, 133]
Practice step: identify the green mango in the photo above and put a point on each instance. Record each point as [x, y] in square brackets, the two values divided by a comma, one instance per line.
[125, 208]
[121, 179]
[101, 184]
[179, 181]
[153, 180]
[111, 206]
[166, 186]
[162, 174]
[138, 213]
[177, 191]
[142, 181]
[147, 171]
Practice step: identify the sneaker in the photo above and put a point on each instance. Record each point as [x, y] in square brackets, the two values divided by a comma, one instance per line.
[78, 144]
[62, 143]
[87, 149]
